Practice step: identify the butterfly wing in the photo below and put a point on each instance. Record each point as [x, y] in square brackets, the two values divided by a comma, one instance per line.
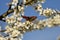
[32, 18]
[25, 17]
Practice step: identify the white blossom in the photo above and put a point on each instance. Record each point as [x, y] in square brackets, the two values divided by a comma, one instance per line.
[8, 29]
[47, 12]
[42, 1]
[15, 33]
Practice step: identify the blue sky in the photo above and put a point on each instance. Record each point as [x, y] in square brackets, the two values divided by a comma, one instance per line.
[47, 33]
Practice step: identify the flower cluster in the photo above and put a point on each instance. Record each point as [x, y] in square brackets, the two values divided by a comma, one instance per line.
[45, 12]
[10, 20]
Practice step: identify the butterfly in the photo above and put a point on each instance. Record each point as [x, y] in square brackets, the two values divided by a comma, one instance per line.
[30, 19]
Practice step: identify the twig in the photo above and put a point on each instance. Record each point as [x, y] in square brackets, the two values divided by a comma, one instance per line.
[2, 30]
[5, 14]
